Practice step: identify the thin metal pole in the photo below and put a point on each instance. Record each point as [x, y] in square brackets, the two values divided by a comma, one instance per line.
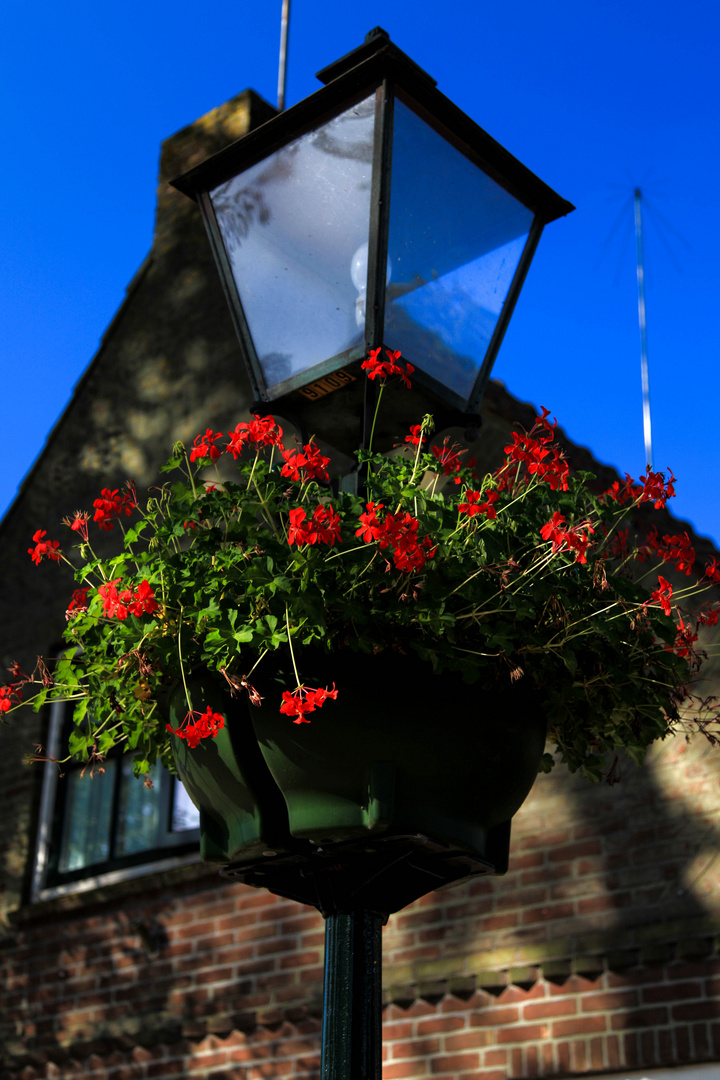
[352, 1003]
[647, 432]
[282, 68]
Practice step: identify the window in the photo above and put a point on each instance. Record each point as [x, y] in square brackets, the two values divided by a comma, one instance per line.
[98, 829]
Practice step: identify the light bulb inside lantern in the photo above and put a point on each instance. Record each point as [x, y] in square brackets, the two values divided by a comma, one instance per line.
[358, 274]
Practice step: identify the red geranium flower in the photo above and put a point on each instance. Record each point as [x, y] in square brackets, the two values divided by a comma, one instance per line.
[193, 730]
[204, 445]
[305, 700]
[261, 431]
[112, 504]
[78, 605]
[44, 548]
[382, 369]
[662, 595]
[308, 464]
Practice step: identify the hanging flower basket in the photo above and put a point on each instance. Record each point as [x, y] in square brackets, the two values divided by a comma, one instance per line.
[404, 752]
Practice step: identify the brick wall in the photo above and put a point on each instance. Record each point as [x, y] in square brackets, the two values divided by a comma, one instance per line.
[598, 951]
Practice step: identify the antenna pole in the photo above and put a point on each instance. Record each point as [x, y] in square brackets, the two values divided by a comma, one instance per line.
[282, 67]
[647, 432]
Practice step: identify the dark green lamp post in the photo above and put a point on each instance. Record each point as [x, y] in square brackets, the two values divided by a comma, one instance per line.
[373, 213]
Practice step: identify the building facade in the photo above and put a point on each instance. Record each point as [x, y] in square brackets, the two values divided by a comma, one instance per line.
[124, 957]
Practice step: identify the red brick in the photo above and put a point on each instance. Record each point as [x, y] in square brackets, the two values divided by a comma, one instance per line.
[582, 849]
[548, 913]
[523, 1033]
[697, 1010]
[401, 1069]
[631, 1051]
[648, 1055]
[495, 1057]
[563, 1057]
[439, 1024]
[605, 1000]
[467, 1040]
[540, 1010]
[500, 922]
[415, 1048]
[604, 903]
[532, 1062]
[497, 1016]
[672, 992]
[701, 1041]
[580, 1025]
[455, 1063]
[682, 1043]
[656, 1017]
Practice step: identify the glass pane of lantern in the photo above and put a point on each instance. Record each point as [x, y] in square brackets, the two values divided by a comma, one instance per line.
[455, 241]
[295, 225]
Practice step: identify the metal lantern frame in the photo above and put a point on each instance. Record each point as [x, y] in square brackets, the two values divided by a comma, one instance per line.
[377, 68]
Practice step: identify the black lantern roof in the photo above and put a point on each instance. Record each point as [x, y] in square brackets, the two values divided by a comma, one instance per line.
[372, 213]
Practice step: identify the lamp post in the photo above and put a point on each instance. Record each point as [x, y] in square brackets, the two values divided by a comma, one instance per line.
[374, 213]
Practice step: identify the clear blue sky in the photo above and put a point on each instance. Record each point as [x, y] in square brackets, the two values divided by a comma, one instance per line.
[595, 98]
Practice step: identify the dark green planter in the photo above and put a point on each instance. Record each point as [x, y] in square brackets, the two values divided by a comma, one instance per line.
[404, 765]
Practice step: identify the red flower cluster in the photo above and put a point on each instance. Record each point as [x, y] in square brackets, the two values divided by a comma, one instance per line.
[79, 523]
[448, 458]
[193, 730]
[78, 605]
[622, 491]
[111, 505]
[684, 640]
[473, 506]
[324, 526]
[655, 487]
[572, 537]
[308, 464]
[261, 431]
[305, 700]
[397, 531]
[382, 369]
[533, 452]
[127, 602]
[416, 435]
[204, 445]
[7, 693]
[712, 570]
[677, 549]
[652, 487]
[44, 548]
[661, 595]
[708, 616]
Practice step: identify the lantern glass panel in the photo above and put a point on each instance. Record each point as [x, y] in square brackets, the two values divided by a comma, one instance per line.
[295, 226]
[455, 241]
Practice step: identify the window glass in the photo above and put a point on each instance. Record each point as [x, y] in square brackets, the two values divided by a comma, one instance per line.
[138, 812]
[107, 821]
[87, 817]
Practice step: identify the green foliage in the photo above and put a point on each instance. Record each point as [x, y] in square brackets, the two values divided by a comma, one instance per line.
[518, 574]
